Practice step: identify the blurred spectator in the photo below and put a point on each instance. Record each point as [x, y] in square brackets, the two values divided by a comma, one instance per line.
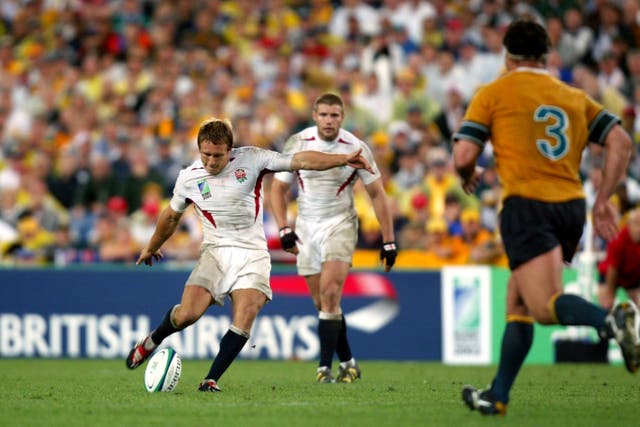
[9, 238]
[478, 243]
[366, 18]
[42, 206]
[99, 186]
[65, 180]
[447, 74]
[576, 38]
[632, 81]
[142, 174]
[35, 244]
[440, 181]
[440, 247]
[112, 240]
[451, 115]
[608, 26]
[452, 213]
[375, 99]
[358, 121]
[401, 38]
[432, 34]
[412, 236]
[492, 58]
[609, 74]
[383, 57]
[490, 209]
[143, 220]
[410, 171]
[406, 94]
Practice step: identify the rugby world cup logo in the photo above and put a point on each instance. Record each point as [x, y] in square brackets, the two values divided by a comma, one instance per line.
[241, 175]
[203, 186]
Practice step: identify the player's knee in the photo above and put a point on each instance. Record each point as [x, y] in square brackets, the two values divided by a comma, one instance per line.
[251, 311]
[543, 315]
[185, 316]
[329, 293]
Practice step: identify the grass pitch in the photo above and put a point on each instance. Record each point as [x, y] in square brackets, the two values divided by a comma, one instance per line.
[267, 393]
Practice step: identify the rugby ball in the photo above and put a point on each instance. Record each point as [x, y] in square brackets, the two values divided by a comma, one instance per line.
[163, 371]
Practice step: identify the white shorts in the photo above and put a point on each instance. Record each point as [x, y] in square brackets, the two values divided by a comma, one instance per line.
[222, 270]
[333, 239]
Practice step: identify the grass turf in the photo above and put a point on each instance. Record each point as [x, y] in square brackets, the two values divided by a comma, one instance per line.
[257, 393]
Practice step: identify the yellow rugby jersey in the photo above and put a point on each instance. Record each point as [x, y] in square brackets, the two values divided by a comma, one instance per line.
[538, 127]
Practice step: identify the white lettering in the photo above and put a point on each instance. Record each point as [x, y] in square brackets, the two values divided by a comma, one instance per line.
[128, 335]
[109, 336]
[287, 332]
[91, 336]
[307, 327]
[55, 336]
[35, 343]
[10, 335]
[73, 323]
[208, 342]
[262, 337]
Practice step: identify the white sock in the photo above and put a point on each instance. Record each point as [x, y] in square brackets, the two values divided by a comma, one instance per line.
[149, 344]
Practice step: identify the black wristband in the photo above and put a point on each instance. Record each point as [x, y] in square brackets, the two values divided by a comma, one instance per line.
[288, 238]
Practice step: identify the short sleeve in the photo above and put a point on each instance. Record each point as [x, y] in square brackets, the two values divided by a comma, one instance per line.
[477, 119]
[600, 122]
[179, 201]
[291, 146]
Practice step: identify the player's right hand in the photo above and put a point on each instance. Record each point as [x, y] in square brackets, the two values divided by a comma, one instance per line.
[605, 219]
[357, 161]
[147, 257]
[474, 180]
[288, 240]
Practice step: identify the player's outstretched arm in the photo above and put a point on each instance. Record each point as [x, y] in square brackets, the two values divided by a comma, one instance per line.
[317, 160]
[167, 224]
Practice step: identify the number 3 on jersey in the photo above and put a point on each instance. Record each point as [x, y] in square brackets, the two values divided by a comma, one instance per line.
[558, 146]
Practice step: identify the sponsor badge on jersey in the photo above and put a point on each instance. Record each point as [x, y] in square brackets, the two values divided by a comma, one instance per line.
[241, 175]
[203, 186]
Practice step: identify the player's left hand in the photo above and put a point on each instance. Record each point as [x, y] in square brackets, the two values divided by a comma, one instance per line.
[470, 185]
[356, 161]
[289, 240]
[388, 253]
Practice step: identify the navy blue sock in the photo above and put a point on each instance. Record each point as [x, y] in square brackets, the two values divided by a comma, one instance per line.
[165, 328]
[577, 311]
[230, 346]
[516, 342]
[328, 331]
[342, 348]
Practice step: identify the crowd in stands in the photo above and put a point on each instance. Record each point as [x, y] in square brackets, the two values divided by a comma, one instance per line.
[100, 102]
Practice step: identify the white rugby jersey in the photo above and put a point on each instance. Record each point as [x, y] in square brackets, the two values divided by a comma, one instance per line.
[323, 194]
[229, 204]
